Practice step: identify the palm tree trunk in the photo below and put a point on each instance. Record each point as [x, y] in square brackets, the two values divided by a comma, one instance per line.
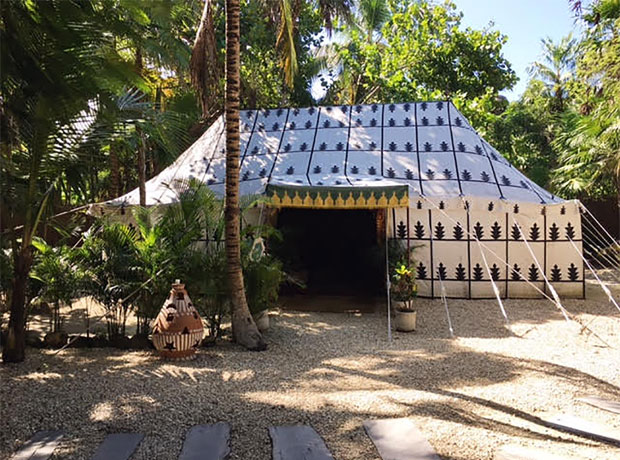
[114, 173]
[245, 331]
[141, 167]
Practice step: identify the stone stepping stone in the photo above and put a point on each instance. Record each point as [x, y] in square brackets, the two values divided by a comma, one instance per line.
[207, 442]
[297, 442]
[399, 439]
[514, 452]
[585, 428]
[40, 446]
[605, 404]
[118, 446]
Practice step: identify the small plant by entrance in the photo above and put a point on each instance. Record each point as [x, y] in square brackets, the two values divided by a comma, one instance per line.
[404, 290]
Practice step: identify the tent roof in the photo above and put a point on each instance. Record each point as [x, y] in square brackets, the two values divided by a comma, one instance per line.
[428, 146]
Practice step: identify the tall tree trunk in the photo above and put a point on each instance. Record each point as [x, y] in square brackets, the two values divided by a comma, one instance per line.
[141, 167]
[205, 68]
[141, 143]
[114, 173]
[245, 331]
[14, 350]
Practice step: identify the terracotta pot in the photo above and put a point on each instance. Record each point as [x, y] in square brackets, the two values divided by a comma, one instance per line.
[262, 320]
[177, 331]
[404, 321]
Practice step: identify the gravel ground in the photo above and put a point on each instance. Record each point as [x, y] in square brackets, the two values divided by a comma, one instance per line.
[471, 394]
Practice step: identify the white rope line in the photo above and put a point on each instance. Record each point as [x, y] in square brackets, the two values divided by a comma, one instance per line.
[600, 247]
[603, 287]
[605, 245]
[596, 220]
[542, 271]
[445, 302]
[519, 274]
[495, 288]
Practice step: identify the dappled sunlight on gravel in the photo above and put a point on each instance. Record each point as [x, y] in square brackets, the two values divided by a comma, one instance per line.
[488, 386]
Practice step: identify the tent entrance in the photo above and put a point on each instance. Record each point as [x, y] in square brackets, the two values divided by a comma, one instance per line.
[335, 251]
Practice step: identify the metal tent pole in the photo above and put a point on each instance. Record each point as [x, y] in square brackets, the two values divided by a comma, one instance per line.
[387, 278]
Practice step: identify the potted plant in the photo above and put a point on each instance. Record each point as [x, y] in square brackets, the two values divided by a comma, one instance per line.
[404, 290]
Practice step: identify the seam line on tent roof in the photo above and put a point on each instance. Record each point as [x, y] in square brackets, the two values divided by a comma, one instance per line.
[316, 130]
[417, 147]
[346, 155]
[275, 160]
[456, 163]
[499, 188]
[247, 145]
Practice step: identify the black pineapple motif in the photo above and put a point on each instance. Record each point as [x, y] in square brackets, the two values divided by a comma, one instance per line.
[246, 175]
[335, 169]
[466, 175]
[322, 146]
[317, 169]
[421, 269]
[392, 122]
[428, 147]
[373, 122]
[439, 121]
[516, 209]
[439, 105]
[458, 122]
[418, 230]
[440, 231]
[392, 146]
[515, 233]
[354, 170]
[424, 121]
[534, 232]
[409, 174]
[485, 177]
[401, 230]
[570, 231]
[573, 272]
[505, 180]
[430, 174]
[339, 146]
[391, 173]
[372, 171]
[478, 231]
[442, 205]
[408, 146]
[407, 121]
[444, 146]
[459, 273]
[458, 232]
[563, 210]
[556, 273]
[515, 274]
[554, 232]
[461, 147]
[303, 147]
[491, 206]
[477, 272]
[441, 271]
[447, 174]
[290, 170]
[533, 273]
[496, 231]
[478, 150]
[308, 124]
[262, 173]
[495, 272]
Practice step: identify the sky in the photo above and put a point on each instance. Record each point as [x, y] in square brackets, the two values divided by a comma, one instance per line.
[525, 23]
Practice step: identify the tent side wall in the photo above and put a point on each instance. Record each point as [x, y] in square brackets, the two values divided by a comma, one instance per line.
[514, 238]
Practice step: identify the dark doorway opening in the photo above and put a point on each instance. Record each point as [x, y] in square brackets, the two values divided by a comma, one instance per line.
[335, 251]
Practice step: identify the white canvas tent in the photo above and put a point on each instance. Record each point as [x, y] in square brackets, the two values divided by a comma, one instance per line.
[480, 227]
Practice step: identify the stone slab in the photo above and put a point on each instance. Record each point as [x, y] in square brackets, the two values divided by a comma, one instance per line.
[586, 428]
[298, 442]
[601, 403]
[399, 439]
[118, 446]
[514, 452]
[207, 442]
[40, 447]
